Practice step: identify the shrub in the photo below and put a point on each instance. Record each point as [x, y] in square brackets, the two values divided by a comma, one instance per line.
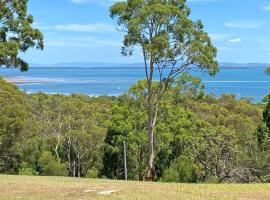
[27, 170]
[50, 166]
[182, 170]
[92, 173]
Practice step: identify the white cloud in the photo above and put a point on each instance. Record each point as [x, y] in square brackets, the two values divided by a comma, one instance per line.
[98, 27]
[266, 7]
[218, 36]
[89, 28]
[109, 2]
[81, 42]
[249, 24]
[234, 40]
[100, 2]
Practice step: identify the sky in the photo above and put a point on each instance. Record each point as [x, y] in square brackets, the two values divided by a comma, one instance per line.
[82, 31]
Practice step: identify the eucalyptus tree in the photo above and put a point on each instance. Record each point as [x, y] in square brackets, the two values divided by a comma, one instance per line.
[86, 141]
[14, 113]
[17, 33]
[171, 43]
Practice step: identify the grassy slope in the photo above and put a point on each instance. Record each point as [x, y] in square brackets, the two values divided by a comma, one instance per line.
[20, 187]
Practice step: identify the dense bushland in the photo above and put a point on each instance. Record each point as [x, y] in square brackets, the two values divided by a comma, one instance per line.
[198, 138]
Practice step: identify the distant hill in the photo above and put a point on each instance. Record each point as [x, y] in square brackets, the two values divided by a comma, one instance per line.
[226, 65]
[243, 65]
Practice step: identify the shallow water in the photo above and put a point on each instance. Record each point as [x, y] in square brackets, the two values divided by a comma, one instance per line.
[244, 82]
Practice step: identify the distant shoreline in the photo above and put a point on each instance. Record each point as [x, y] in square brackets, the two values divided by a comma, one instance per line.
[16, 80]
[138, 68]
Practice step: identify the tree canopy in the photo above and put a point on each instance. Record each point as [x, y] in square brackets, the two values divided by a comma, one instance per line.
[17, 34]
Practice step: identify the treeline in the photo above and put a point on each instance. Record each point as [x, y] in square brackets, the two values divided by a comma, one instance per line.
[198, 138]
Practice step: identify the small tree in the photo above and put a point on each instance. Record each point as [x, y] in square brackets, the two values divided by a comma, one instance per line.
[16, 33]
[85, 142]
[170, 42]
[215, 149]
[50, 166]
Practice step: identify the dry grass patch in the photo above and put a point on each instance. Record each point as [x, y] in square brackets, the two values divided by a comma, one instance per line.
[39, 188]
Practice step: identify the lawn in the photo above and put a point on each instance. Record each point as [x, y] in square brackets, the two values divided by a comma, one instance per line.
[36, 188]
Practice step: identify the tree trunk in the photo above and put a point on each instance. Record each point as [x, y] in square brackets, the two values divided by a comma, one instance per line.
[150, 170]
[141, 172]
[79, 168]
[57, 155]
[69, 158]
[56, 149]
[150, 176]
[74, 168]
[150, 128]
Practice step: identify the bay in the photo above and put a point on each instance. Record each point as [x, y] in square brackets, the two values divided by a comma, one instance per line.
[113, 81]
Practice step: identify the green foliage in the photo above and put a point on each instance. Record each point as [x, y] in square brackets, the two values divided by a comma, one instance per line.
[73, 128]
[127, 123]
[262, 133]
[266, 113]
[16, 33]
[182, 170]
[50, 166]
[165, 33]
[27, 170]
[112, 159]
[198, 138]
[215, 149]
[14, 115]
[92, 173]
[188, 86]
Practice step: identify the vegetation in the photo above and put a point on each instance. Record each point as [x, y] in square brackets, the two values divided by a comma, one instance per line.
[170, 42]
[199, 138]
[16, 33]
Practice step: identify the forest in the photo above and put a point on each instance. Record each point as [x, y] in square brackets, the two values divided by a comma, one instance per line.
[199, 138]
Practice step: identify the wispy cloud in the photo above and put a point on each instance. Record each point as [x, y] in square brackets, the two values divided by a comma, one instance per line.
[266, 7]
[98, 27]
[248, 24]
[81, 42]
[109, 2]
[100, 2]
[88, 28]
[234, 40]
[218, 36]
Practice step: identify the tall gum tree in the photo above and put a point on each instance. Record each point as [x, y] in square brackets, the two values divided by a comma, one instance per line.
[170, 42]
[16, 33]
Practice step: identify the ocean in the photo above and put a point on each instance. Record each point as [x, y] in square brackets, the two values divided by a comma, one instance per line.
[113, 81]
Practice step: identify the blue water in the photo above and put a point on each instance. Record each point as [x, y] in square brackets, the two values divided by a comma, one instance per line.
[245, 82]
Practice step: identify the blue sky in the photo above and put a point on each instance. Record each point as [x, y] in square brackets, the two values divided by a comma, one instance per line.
[82, 31]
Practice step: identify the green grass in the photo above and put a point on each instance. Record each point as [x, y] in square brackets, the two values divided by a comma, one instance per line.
[36, 188]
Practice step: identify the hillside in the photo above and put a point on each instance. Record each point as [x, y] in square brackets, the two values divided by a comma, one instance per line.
[21, 187]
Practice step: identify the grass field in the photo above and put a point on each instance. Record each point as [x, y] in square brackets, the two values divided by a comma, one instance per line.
[36, 188]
